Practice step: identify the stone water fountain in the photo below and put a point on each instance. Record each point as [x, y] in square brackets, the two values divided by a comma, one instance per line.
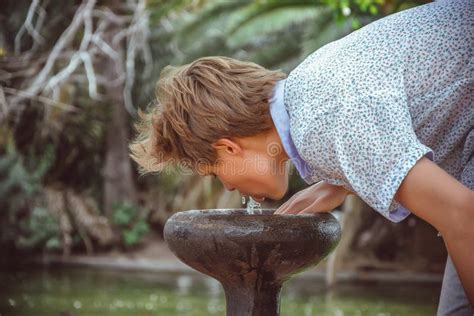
[251, 254]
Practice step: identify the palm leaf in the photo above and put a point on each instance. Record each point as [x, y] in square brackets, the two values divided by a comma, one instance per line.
[210, 20]
[322, 31]
[257, 8]
[281, 47]
[274, 20]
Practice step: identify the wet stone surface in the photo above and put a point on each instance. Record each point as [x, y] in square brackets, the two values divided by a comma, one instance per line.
[251, 255]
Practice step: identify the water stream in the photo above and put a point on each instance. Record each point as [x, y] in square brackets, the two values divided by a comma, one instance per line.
[253, 207]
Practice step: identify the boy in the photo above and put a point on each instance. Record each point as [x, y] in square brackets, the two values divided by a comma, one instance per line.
[385, 113]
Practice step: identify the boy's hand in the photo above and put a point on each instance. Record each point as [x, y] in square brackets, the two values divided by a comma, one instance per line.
[320, 197]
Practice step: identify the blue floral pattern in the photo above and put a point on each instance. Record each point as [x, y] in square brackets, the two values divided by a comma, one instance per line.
[364, 109]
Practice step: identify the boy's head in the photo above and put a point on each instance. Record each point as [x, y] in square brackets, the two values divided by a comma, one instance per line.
[213, 117]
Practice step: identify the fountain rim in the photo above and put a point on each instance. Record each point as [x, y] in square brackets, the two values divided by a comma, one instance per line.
[237, 212]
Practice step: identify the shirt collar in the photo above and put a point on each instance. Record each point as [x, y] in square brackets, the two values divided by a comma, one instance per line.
[282, 124]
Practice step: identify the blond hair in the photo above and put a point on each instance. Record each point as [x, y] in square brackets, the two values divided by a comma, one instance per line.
[198, 103]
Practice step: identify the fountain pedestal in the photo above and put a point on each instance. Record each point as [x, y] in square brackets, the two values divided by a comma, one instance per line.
[251, 255]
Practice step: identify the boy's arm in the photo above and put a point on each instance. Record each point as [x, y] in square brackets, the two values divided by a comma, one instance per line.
[433, 195]
[320, 197]
[427, 191]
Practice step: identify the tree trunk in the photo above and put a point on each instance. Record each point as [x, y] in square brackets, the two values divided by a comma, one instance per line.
[350, 222]
[119, 183]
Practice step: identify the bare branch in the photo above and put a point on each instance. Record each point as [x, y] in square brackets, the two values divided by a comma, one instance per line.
[148, 59]
[3, 103]
[65, 73]
[39, 24]
[29, 23]
[98, 41]
[167, 25]
[103, 46]
[28, 26]
[138, 35]
[86, 59]
[107, 14]
[18, 37]
[45, 100]
[5, 75]
[86, 38]
[66, 37]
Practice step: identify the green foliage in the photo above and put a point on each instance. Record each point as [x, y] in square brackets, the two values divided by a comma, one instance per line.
[56, 146]
[131, 222]
[270, 14]
[206, 22]
[162, 8]
[21, 179]
[278, 19]
[322, 31]
[39, 229]
[342, 9]
[123, 214]
[77, 138]
[273, 33]
[21, 176]
[170, 181]
[133, 236]
[254, 30]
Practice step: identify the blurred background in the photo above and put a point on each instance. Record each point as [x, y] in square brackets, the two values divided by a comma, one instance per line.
[73, 75]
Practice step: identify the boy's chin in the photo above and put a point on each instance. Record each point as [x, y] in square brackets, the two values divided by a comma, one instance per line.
[279, 195]
[275, 195]
[258, 199]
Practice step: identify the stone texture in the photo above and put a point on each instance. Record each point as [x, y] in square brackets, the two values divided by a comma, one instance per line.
[251, 255]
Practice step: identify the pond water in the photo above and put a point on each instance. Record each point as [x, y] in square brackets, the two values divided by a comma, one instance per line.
[81, 291]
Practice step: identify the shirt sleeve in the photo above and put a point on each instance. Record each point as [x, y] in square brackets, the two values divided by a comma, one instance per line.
[367, 144]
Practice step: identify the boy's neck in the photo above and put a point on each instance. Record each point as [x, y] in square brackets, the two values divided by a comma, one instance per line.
[273, 143]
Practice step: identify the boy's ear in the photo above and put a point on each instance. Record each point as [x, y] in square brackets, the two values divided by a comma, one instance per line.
[228, 146]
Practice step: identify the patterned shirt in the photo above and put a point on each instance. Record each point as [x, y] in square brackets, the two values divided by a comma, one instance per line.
[361, 111]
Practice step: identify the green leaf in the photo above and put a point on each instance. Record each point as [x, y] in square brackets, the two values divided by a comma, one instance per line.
[53, 243]
[37, 229]
[211, 20]
[373, 10]
[123, 214]
[355, 23]
[274, 20]
[130, 238]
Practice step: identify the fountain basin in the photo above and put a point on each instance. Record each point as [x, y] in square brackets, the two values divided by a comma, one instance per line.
[252, 255]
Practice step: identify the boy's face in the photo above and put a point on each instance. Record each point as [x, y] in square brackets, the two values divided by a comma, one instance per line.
[255, 166]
